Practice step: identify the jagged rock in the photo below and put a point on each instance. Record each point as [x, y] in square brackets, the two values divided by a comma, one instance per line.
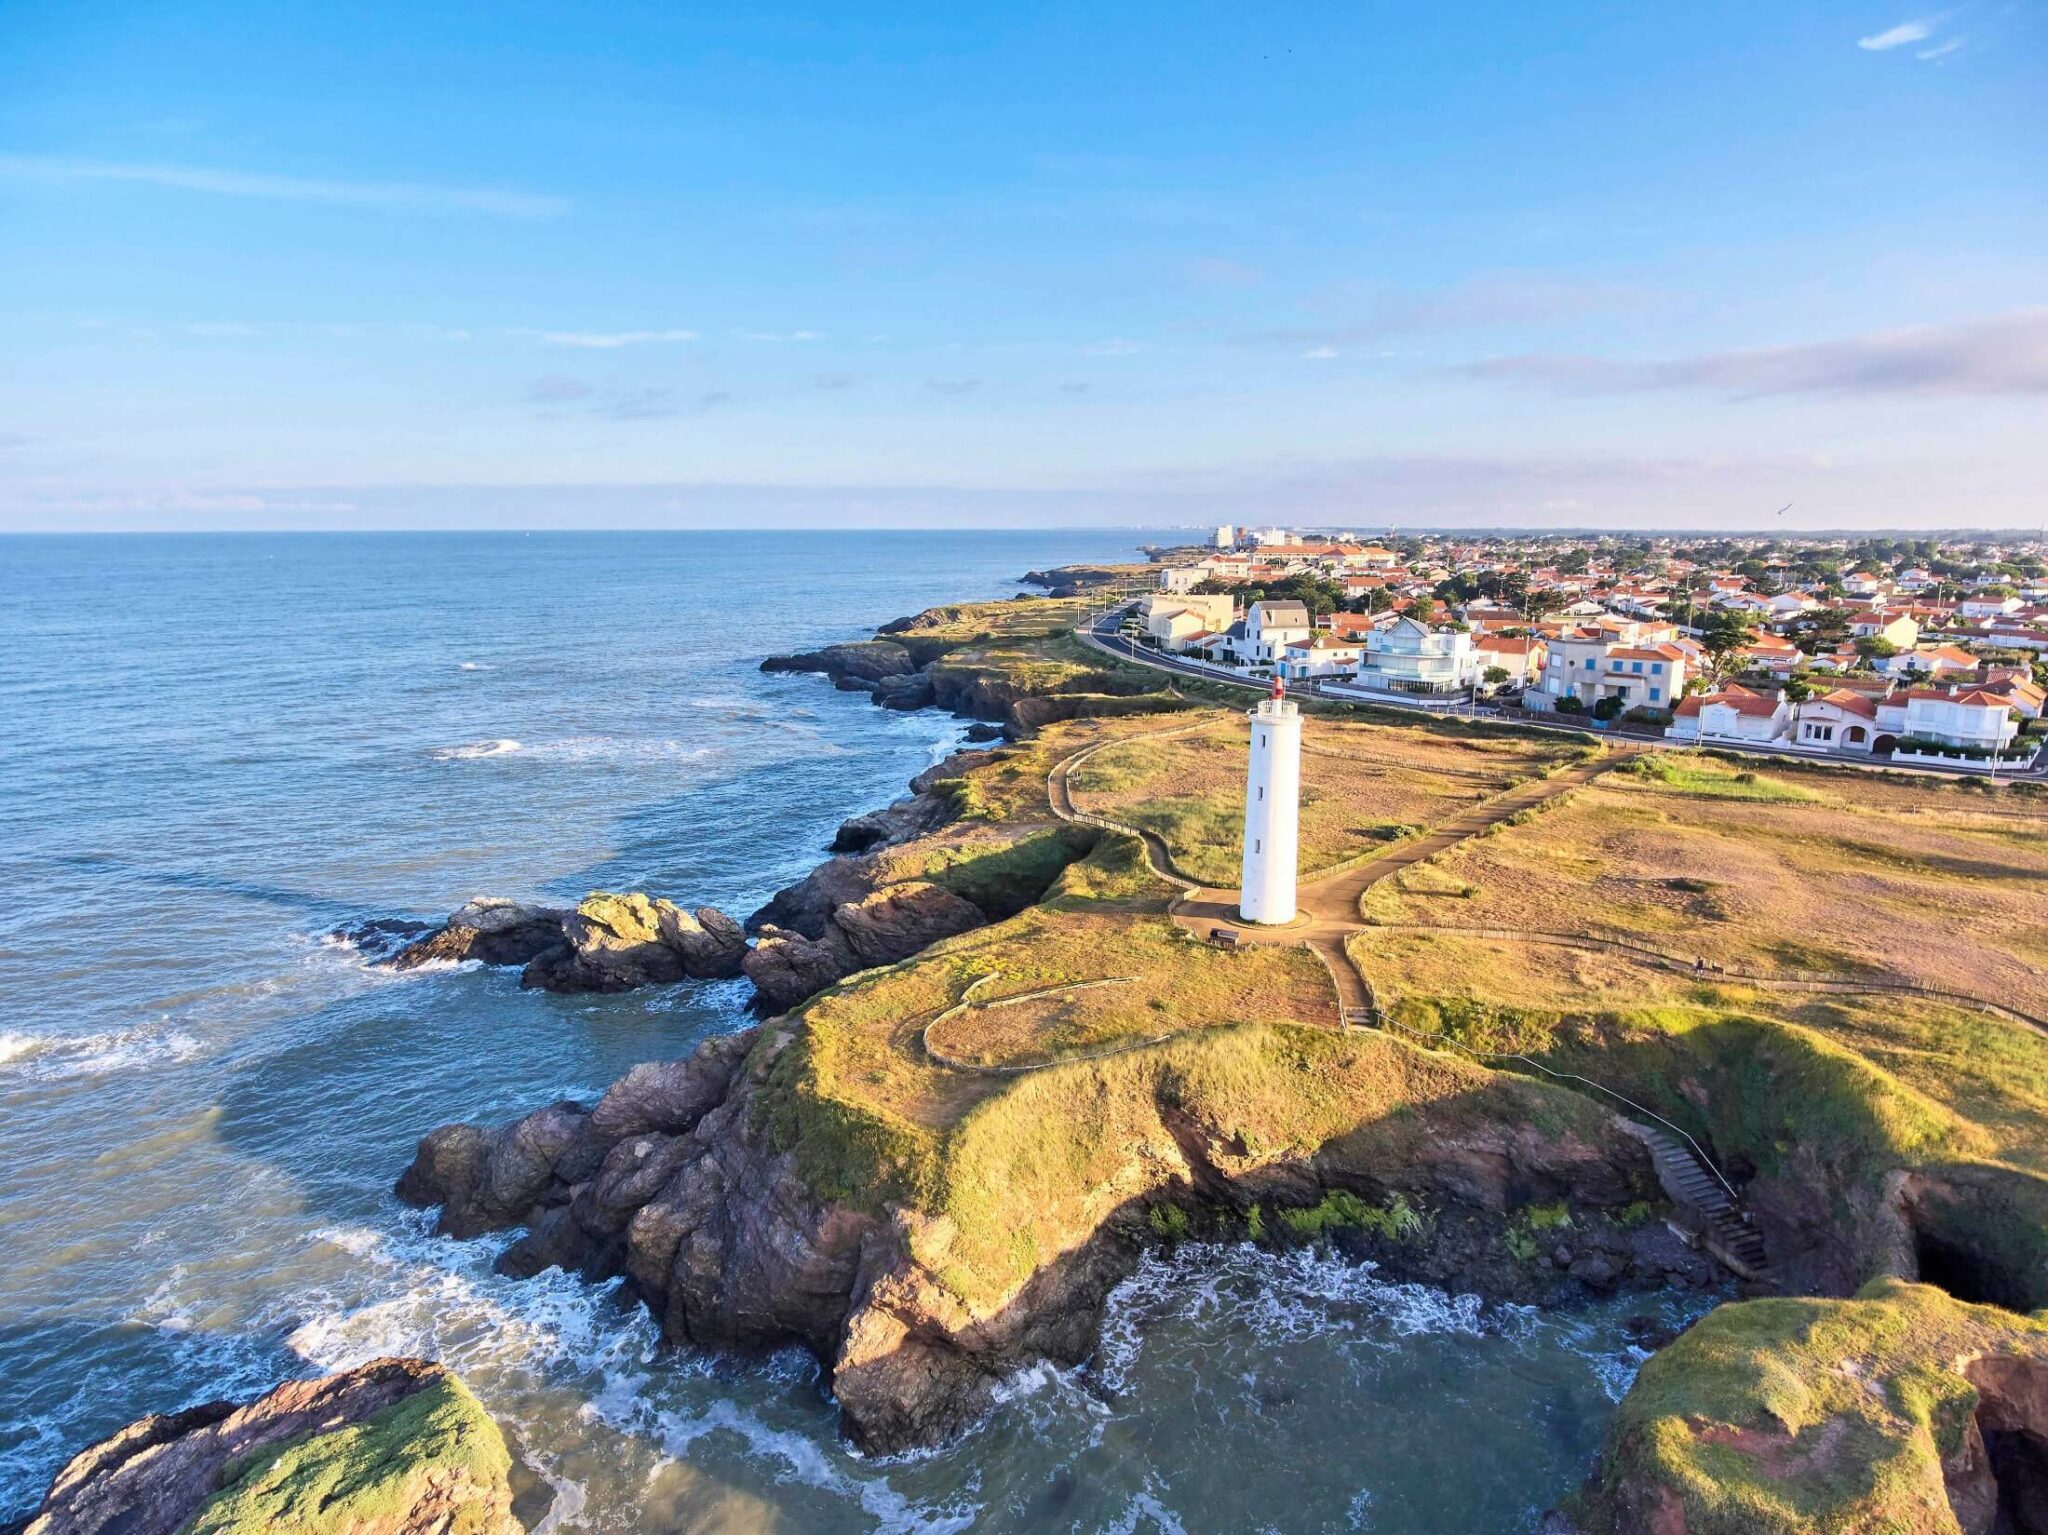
[981, 730]
[806, 907]
[380, 935]
[898, 920]
[712, 944]
[865, 660]
[913, 691]
[491, 929]
[671, 1096]
[486, 1181]
[421, 1458]
[903, 821]
[786, 967]
[619, 942]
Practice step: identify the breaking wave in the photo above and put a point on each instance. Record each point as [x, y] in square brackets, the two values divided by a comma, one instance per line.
[48, 1056]
[500, 748]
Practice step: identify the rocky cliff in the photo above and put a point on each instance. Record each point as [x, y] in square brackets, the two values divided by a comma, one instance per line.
[394, 1447]
[720, 1185]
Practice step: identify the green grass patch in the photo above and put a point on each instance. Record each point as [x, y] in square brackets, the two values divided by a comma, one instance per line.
[369, 1474]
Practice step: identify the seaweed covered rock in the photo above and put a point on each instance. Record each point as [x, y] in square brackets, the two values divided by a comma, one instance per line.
[393, 1447]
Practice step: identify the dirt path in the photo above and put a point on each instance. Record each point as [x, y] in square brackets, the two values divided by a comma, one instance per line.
[1328, 902]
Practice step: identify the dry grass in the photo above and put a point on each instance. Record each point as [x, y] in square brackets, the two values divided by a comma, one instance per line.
[1020, 618]
[867, 1030]
[1364, 786]
[1924, 887]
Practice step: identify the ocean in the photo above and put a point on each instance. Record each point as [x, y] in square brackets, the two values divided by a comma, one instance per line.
[218, 750]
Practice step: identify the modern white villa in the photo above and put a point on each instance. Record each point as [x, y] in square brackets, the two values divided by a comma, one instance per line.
[1408, 656]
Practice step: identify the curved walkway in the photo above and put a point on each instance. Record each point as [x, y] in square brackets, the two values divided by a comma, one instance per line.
[1328, 901]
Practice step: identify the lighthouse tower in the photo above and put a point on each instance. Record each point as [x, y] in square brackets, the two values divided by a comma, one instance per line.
[1272, 810]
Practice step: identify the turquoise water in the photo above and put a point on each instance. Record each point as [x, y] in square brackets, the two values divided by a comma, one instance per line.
[216, 750]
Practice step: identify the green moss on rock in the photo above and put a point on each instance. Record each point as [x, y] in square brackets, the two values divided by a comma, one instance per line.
[432, 1461]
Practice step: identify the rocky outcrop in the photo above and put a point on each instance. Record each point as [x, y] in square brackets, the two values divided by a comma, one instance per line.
[868, 661]
[606, 943]
[687, 1177]
[884, 925]
[393, 1447]
[1072, 580]
[1900, 1409]
[617, 942]
[489, 929]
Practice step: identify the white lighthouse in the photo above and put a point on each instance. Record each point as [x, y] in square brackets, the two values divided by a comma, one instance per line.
[1272, 810]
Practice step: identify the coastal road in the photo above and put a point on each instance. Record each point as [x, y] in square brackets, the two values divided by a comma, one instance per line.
[1102, 634]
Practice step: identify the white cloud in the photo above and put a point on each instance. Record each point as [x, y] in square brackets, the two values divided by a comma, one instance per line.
[1897, 37]
[394, 196]
[1940, 51]
[1320, 353]
[609, 340]
[2003, 354]
[781, 335]
[1115, 346]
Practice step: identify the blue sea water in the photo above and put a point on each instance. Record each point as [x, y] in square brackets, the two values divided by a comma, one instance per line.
[216, 750]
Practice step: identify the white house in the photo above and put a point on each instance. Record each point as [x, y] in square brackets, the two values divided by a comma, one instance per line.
[1410, 657]
[1176, 620]
[1965, 717]
[1608, 662]
[1734, 714]
[1844, 720]
[1269, 628]
[1325, 655]
[1520, 656]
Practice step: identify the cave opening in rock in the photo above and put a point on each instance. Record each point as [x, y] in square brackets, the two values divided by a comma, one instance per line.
[2019, 1465]
[1966, 1275]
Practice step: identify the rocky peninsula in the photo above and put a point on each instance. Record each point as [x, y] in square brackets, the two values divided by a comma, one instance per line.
[992, 1070]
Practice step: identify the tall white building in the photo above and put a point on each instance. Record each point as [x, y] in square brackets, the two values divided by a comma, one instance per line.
[1226, 537]
[1272, 811]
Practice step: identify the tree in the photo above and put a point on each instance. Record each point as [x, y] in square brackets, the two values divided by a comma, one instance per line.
[1495, 675]
[1607, 709]
[1875, 647]
[1723, 631]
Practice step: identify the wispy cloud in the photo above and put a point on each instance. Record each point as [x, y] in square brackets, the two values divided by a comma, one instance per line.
[952, 385]
[389, 196]
[780, 335]
[608, 340]
[1505, 298]
[558, 392]
[2002, 355]
[1320, 353]
[1940, 51]
[1897, 37]
[833, 381]
[1116, 346]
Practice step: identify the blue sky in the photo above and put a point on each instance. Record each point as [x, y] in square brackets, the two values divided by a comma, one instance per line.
[1628, 265]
